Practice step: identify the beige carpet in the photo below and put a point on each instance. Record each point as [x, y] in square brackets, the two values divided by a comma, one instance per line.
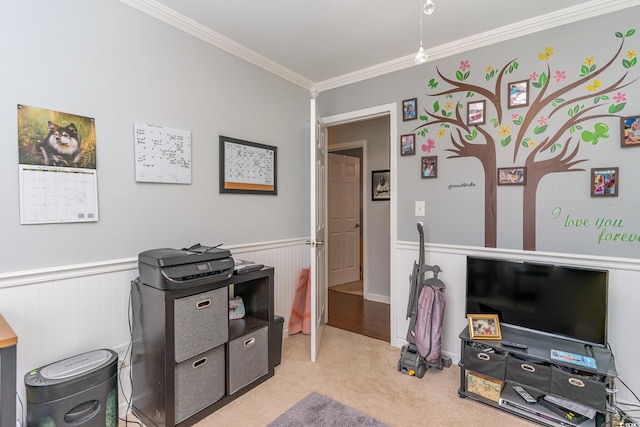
[354, 288]
[362, 373]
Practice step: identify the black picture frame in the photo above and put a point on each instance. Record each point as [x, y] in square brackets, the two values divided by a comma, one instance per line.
[429, 167]
[408, 144]
[476, 113]
[518, 94]
[604, 182]
[630, 131]
[512, 176]
[248, 167]
[409, 109]
[381, 185]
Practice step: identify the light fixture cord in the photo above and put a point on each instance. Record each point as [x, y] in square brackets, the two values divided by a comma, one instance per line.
[421, 7]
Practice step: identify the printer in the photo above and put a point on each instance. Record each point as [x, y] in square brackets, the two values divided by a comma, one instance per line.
[171, 269]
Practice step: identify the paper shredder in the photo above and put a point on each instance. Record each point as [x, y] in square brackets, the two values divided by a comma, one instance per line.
[78, 391]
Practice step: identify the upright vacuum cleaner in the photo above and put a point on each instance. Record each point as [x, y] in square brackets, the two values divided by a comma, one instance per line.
[427, 300]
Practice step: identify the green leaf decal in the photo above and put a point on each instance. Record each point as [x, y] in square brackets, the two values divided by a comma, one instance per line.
[539, 129]
[436, 106]
[459, 75]
[616, 108]
[584, 70]
[589, 137]
[506, 141]
[424, 118]
[601, 130]
[619, 35]
[630, 32]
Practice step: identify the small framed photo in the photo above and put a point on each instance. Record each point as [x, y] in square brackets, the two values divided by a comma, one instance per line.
[409, 109]
[605, 182]
[429, 167]
[519, 94]
[408, 145]
[512, 176]
[381, 185]
[484, 326]
[475, 112]
[630, 131]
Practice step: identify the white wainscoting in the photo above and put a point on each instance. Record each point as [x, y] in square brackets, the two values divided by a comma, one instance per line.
[64, 311]
[623, 311]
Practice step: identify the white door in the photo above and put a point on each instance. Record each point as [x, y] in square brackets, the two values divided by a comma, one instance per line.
[343, 218]
[319, 289]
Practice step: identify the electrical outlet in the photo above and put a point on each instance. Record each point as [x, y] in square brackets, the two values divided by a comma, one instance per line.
[123, 356]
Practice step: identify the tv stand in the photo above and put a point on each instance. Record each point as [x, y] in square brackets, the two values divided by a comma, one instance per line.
[489, 370]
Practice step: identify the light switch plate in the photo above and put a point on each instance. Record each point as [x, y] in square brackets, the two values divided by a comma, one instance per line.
[420, 206]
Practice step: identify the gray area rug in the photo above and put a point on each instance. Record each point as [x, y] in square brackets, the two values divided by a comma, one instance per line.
[318, 410]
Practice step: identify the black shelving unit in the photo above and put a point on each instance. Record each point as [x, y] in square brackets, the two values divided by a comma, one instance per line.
[188, 358]
[493, 369]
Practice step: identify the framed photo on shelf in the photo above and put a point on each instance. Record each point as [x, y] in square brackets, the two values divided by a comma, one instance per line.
[630, 131]
[247, 167]
[519, 94]
[512, 176]
[475, 112]
[408, 144]
[409, 109]
[381, 185]
[484, 326]
[429, 167]
[605, 182]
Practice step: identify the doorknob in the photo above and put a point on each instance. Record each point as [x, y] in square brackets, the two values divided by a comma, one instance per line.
[357, 226]
[314, 243]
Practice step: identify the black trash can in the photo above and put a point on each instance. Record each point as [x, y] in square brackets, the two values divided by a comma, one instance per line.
[275, 342]
[79, 391]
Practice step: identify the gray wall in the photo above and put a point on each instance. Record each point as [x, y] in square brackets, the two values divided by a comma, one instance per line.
[455, 215]
[377, 230]
[108, 61]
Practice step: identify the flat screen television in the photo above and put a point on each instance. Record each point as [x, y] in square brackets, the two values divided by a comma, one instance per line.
[565, 301]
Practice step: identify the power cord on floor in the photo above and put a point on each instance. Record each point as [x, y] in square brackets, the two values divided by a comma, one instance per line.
[127, 356]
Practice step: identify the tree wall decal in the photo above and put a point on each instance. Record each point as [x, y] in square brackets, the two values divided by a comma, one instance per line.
[543, 149]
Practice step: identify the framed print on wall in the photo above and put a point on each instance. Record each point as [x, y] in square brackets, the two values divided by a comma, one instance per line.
[429, 167]
[519, 94]
[247, 167]
[512, 176]
[475, 112]
[408, 145]
[409, 108]
[630, 127]
[381, 185]
[605, 182]
[484, 326]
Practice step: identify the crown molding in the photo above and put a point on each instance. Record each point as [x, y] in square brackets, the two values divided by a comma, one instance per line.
[569, 15]
[189, 26]
[565, 16]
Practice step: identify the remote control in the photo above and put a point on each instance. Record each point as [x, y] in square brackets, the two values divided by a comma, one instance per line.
[524, 394]
[514, 345]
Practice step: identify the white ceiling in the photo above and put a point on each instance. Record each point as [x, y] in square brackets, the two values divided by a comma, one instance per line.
[320, 44]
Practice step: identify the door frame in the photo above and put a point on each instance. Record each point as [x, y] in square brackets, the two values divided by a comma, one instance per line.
[390, 110]
[362, 144]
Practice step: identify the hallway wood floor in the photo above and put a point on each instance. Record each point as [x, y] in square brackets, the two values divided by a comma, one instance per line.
[355, 314]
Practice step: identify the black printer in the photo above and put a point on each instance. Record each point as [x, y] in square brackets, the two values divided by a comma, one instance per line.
[170, 269]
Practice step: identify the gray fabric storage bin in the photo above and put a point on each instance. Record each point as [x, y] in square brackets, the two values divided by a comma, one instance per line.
[536, 374]
[578, 388]
[483, 361]
[248, 358]
[200, 381]
[201, 322]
